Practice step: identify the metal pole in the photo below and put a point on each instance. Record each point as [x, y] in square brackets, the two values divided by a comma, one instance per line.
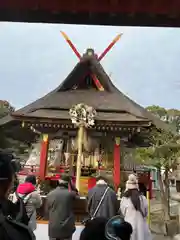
[149, 209]
[79, 158]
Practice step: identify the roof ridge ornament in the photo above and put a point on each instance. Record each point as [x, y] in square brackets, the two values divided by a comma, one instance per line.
[99, 58]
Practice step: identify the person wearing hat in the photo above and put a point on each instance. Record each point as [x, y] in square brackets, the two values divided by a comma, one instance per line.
[134, 208]
[59, 207]
[132, 182]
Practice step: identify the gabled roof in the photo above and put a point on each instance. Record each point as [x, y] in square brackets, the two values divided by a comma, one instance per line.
[111, 104]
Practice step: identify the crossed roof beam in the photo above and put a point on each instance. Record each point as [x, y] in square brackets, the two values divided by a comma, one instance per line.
[99, 58]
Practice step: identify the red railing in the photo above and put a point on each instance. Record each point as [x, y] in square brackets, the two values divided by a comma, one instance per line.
[34, 169]
[29, 169]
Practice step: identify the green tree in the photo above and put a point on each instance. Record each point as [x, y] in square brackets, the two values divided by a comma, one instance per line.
[5, 142]
[5, 109]
[162, 156]
[162, 153]
[158, 111]
[171, 116]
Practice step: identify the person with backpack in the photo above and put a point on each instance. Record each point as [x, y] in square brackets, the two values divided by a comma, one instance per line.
[31, 198]
[12, 223]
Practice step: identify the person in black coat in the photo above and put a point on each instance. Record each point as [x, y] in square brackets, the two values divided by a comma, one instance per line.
[9, 211]
[94, 229]
[109, 206]
[59, 208]
[7, 176]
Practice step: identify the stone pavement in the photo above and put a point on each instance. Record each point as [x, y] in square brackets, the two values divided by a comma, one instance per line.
[177, 237]
[161, 237]
[42, 233]
[157, 216]
[156, 206]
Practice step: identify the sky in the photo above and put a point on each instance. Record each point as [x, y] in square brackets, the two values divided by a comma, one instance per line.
[144, 64]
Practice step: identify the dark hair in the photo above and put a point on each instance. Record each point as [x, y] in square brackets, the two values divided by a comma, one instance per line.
[6, 167]
[123, 231]
[6, 172]
[65, 177]
[142, 188]
[63, 184]
[64, 181]
[134, 195]
[102, 178]
[31, 179]
[94, 229]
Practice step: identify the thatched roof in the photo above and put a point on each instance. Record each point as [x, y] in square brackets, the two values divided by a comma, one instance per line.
[111, 104]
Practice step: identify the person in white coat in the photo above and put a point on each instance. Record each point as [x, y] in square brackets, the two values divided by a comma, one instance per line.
[134, 208]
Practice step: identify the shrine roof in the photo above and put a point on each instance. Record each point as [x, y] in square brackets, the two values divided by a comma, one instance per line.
[110, 104]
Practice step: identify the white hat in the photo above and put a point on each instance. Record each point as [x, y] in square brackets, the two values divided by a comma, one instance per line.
[132, 182]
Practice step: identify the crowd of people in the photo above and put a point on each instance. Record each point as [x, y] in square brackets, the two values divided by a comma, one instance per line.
[106, 218]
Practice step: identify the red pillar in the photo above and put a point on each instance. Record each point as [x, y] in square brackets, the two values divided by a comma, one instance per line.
[91, 182]
[43, 156]
[117, 163]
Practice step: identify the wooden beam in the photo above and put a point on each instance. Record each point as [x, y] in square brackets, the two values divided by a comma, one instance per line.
[95, 6]
[166, 12]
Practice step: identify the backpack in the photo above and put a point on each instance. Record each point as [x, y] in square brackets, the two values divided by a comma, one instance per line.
[12, 230]
[21, 215]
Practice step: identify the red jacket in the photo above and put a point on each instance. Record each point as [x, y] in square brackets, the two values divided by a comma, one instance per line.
[25, 188]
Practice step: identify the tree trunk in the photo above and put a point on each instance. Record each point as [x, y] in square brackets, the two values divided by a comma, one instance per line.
[178, 186]
[167, 191]
[164, 199]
